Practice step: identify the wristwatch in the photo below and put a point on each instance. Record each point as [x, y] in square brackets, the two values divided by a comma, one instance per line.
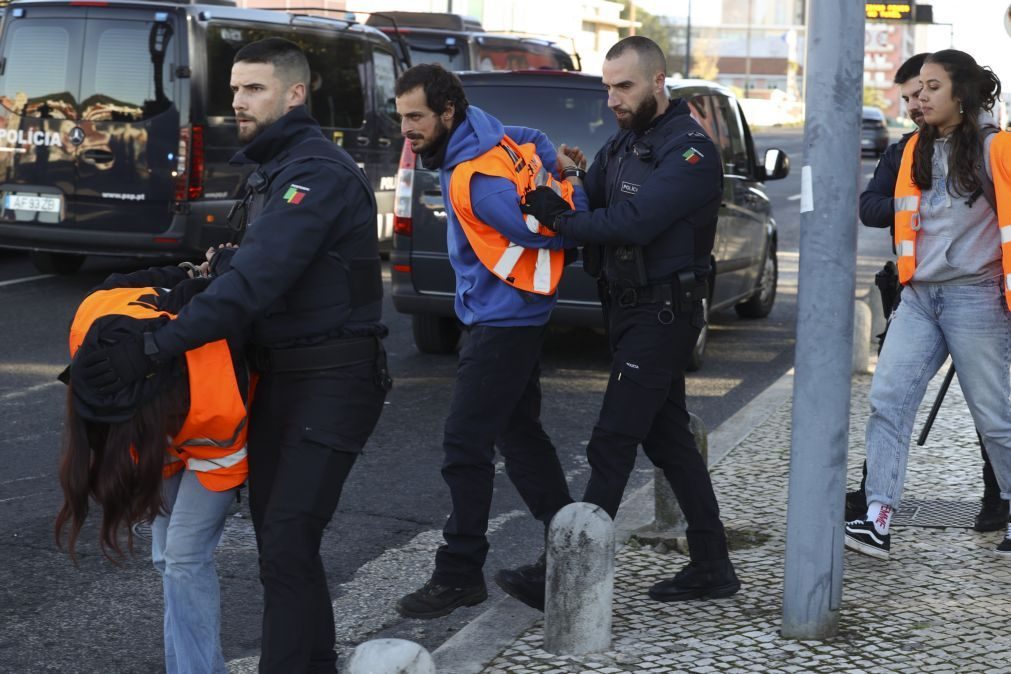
[574, 172]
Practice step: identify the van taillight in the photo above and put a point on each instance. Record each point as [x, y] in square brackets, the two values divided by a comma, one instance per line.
[402, 223]
[189, 171]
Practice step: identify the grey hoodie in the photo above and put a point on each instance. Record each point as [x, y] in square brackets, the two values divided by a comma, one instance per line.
[956, 245]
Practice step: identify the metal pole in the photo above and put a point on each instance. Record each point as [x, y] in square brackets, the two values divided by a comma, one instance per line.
[812, 589]
[747, 57]
[688, 43]
[631, 17]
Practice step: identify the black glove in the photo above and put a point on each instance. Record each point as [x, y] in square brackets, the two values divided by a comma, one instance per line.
[545, 205]
[113, 368]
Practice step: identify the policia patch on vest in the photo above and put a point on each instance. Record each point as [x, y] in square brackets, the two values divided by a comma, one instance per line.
[295, 193]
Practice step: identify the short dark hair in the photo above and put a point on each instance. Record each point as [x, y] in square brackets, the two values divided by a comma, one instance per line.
[650, 55]
[911, 68]
[288, 59]
[441, 88]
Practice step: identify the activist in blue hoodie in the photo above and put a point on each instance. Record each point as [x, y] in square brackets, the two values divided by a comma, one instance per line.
[481, 297]
[504, 297]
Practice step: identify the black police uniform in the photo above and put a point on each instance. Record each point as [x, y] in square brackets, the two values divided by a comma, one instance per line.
[306, 285]
[654, 199]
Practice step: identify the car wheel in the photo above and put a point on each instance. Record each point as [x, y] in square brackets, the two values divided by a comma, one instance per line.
[699, 351]
[435, 334]
[57, 263]
[760, 303]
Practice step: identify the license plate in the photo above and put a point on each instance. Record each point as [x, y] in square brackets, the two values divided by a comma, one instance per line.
[32, 202]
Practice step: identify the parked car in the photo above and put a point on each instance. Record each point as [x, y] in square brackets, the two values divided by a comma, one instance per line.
[572, 108]
[460, 43]
[873, 131]
[116, 124]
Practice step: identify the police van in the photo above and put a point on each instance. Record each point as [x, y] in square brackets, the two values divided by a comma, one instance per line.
[116, 125]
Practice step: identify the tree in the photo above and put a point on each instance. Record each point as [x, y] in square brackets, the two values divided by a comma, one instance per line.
[671, 37]
[875, 98]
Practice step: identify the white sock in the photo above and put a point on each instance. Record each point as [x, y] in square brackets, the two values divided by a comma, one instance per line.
[881, 515]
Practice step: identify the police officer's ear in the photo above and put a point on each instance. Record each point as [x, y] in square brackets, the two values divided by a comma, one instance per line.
[659, 84]
[295, 95]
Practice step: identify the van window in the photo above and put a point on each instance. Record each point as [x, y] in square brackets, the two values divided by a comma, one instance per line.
[732, 144]
[336, 96]
[506, 54]
[385, 83]
[449, 52]
[42, 68]
[125, 74]
[704, 112]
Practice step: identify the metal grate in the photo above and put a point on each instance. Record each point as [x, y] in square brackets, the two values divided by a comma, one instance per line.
[916, 513]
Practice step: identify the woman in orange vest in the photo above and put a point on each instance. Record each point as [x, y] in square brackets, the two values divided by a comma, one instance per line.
[115, 454]
[953, 240]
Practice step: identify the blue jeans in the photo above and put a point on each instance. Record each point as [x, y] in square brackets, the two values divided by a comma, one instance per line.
[182, 549]
[972, 324]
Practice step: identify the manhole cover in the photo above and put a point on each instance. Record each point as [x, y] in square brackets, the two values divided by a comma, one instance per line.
[916, 513]
[238, 534]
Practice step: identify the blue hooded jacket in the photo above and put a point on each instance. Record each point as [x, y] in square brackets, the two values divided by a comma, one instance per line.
[481, 297]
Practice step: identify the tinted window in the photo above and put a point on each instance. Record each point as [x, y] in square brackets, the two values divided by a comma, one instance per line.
[732, 144]
[576, 117]
[451, 56]
[504, 54]
[41, 75]
[336, 97]
[125, 74]
[704, 112]
[385, 79]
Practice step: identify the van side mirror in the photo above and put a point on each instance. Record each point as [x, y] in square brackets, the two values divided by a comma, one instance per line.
[776, 165]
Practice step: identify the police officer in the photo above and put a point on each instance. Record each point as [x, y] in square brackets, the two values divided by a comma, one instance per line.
[305, 283]
[655, 190]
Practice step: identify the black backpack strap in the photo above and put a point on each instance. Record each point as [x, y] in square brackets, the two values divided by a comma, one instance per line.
[986, 188]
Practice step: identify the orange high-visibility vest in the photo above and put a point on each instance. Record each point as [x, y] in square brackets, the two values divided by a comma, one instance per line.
[212, 440]
[907, 208]
[535, 270]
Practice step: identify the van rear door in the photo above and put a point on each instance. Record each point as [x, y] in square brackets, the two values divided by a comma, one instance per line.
[90, 132]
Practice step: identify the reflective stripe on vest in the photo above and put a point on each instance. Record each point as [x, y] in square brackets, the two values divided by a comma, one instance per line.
[212, 439]
[535, 270]
[907, 206]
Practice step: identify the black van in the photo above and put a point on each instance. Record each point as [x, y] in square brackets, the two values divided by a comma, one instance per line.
[116, 124]
[460, 43]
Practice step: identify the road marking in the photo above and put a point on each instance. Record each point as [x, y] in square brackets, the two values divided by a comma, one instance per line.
[26, 279]
[795, 197]
[28, 391]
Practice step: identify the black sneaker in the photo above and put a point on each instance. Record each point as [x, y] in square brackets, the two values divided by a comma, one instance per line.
[1003, 548]
[433, 600]
[698, 580]
[992, 516]
[862, 537]
[856, 505]
[526, 583]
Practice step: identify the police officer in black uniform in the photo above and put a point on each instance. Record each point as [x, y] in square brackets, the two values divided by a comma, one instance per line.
[305, 284]
[655, 190]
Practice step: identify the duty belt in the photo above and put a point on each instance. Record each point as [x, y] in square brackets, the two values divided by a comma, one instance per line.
[325, 356]
[681, 290]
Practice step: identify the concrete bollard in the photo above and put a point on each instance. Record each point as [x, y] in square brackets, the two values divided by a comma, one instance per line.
[668, 520]
[580, 581]
[861, 337]
[390, 656]
[878, 320]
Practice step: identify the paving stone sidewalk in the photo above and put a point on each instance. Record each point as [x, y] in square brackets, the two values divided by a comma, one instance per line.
[939, 605]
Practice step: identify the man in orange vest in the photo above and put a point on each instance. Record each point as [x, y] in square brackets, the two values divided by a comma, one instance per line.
[507, 268]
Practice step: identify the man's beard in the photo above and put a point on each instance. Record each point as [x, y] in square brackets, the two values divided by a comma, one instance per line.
[430, 144]
[641, 117]
[259, 126]
[917, 118]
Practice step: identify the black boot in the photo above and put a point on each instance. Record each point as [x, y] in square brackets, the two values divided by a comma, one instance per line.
[433, 600]
[525, 583]
[992, 515]
[699, 580]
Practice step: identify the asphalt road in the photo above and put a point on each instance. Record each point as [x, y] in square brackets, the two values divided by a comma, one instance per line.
[97, 616]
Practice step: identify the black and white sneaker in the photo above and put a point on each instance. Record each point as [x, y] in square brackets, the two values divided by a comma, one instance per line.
[862, 537]
[1003, 548]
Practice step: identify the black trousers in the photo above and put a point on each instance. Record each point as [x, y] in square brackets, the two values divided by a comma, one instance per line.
[645, 404]
[496, 401]
[306, 429]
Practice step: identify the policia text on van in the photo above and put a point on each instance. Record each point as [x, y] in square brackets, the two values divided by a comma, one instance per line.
[116, 126]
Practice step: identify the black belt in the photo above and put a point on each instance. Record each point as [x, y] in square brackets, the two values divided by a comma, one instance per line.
[316, 357]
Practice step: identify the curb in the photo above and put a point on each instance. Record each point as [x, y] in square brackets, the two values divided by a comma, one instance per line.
[471, 649]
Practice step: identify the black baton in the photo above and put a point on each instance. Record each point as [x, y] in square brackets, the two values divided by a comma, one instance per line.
[936, 406]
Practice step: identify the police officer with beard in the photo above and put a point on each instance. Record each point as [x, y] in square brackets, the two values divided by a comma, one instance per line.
[655, 190]
[305, 285]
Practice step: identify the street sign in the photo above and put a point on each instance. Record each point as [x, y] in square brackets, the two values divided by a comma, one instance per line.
[890, 11]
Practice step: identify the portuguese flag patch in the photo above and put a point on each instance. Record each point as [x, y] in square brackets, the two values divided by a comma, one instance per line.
[295, 194]
[692, 156]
